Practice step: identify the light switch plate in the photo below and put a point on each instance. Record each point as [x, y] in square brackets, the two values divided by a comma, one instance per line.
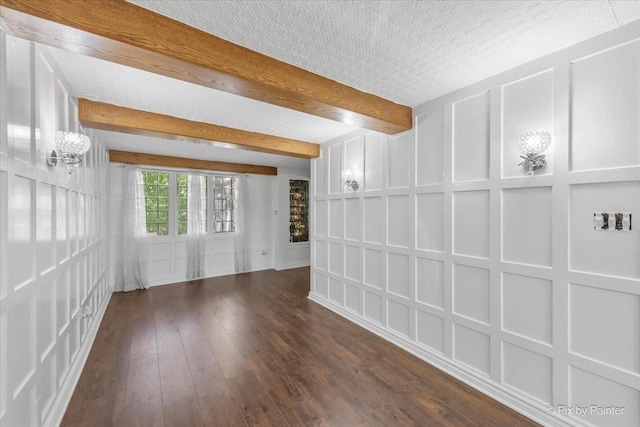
[612, 221]
[626, 221]
[598, 221]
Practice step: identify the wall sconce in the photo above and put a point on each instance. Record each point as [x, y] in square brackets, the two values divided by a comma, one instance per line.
[349, 176]
[71, 146]
[532, 145]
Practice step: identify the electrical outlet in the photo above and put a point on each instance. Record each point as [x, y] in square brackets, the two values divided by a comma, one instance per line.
[264, 252]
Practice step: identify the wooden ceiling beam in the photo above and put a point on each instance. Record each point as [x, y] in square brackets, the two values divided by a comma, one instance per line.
[133, 158]
[130, 35]
[99, 115]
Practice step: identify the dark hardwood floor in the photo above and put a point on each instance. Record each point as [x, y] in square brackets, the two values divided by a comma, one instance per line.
[251, 349]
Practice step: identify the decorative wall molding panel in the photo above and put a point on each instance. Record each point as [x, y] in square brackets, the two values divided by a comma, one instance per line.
[54, 283]
[496, 277]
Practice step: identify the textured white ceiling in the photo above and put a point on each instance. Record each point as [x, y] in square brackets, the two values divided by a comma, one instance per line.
[164, 147]
[405, 51]
[104, 81]
[109, 82]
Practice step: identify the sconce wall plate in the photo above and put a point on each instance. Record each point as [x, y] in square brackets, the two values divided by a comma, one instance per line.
[533, 162]
[52, 158]
[352, 183]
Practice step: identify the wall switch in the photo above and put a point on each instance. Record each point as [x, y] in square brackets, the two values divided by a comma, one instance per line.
[612, 221]
[626, 221]
[598, 221]
[264, 252]
[618, 221]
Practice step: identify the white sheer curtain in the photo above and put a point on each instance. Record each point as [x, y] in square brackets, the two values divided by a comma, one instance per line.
[242, 253]
[134, 259]
[196, 211]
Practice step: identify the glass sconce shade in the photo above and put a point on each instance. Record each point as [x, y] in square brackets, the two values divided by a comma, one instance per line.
[349, 174]
[72, 143]
[531, 145]
[533, 142]
[71, 146]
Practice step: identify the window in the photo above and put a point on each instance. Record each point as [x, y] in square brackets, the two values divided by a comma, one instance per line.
[159, 202]
[298, 210]
[206, 204]
[224, 201]
[182, 218]
[156, 191]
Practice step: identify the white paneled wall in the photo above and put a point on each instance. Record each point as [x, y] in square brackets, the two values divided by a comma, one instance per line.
[449, 250]
[168, 255]
[53, 241]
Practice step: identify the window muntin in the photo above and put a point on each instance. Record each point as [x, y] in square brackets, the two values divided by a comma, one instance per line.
[298, 210]
[181, 197]
[156, 191]
[224, 204]
[219, 203]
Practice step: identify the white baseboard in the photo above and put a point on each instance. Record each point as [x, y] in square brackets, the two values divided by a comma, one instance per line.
[260, 268]
[62, 399]
[527, 407]
[292, 265]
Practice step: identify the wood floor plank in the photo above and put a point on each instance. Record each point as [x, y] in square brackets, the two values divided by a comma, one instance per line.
[143, 397]
[257, 407]
[183, 413]
[207, 376]
[104, 412]
[164, 319]
[140, 418]
[175, 379]
[194, 342]
[143, 339]
[251, 349]
[279, 386]
[311, 414]
[221, 410]
[277, 347]
[176, 383]
[229, 358]
[291, 417]
[111, 366]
